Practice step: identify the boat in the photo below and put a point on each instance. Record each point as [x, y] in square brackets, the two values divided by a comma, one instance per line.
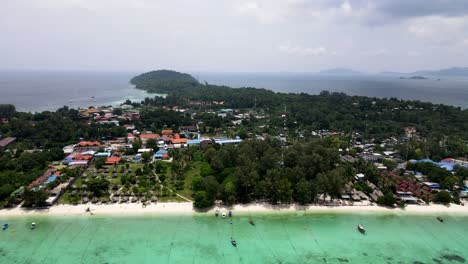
[216, 213]
[251, 221]
[233, 242]
[440, 219]
[230, 213]
[361, 229]
[33, 225]
[223, 215]
[5, 226]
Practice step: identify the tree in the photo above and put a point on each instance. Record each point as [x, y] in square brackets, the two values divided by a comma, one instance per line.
[99, 163]
[34, 197]
[390, 164]
[136, 145]
[98, 186]
[117, 111]
[443, 197]
[152, 144]
[304, 192]
[201, 200]
[388, 199]
[146, 156]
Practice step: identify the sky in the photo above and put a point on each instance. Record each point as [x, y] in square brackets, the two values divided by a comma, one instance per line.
[233, 35]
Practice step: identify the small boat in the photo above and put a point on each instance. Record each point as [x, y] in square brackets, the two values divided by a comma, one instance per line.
[440, 219]
[216, 213]
[230, 213]
[251, 221]
[33, 225]
[223, 215]
[361, 229]
[233, 242]
[5, 226]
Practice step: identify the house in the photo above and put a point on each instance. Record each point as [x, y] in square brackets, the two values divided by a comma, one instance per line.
[130, 137]
[161, 155]
[102, 155]
[88, 145]
[227, 141]
[6, 141]
[146, 137]
[113, 160]
[167, 132]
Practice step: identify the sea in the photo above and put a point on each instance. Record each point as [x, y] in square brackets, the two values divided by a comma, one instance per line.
[35, 91]
[275, 238]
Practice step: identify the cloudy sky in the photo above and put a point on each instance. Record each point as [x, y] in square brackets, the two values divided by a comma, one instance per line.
[233, 35]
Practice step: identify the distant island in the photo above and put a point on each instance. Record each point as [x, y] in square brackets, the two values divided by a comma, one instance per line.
[414, 78]
[339, 71]
[454, 72]
[163, 81]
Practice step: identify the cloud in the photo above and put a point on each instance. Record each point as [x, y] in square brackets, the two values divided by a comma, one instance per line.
[376, 52]
[440, 31]
[297, 50]
[265, 13]
[414, 53]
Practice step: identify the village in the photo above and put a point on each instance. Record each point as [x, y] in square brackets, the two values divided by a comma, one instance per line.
[136, 168]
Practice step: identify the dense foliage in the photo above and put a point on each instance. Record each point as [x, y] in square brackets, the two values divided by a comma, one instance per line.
[261, 171]
[163, 81]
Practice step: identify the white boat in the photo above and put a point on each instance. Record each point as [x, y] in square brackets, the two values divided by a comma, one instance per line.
[33, 225]
[361, 229]
[223, 215]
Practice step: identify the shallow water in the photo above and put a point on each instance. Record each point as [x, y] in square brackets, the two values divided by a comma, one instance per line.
[276, 238]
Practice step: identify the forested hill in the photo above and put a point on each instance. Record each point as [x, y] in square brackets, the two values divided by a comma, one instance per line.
[163, 81]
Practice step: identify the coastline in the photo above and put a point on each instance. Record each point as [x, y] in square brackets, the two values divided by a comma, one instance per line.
[136, 209]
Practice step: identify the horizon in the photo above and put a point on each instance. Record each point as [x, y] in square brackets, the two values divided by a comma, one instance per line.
[318, 72]
[233, 36]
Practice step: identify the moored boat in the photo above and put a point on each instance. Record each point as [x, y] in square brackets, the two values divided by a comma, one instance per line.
[33, 225]
[223, 215]
[251, 221]
[361, 229]
[5, 226]
[440, 219]
[233, 242]
[216, 213]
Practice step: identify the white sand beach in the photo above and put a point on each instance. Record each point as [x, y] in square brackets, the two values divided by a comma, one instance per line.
[187, 209]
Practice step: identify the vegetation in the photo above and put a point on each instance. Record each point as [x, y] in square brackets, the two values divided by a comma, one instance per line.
[163, 81]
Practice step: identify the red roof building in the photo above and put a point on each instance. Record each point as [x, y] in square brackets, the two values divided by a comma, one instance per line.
[113, 160]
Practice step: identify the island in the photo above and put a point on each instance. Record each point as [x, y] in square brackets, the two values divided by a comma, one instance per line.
[414, 78]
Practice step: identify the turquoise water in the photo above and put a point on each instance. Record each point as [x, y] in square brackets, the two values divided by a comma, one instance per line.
[276, 238]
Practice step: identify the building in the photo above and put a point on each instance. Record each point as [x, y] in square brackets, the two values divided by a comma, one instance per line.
[6, 141]
[113, 160]
[146, 137]
[161, 154]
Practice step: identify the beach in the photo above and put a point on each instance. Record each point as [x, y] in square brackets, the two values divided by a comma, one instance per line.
[187, 209]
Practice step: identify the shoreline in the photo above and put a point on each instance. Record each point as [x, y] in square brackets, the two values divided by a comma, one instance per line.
[136, 209]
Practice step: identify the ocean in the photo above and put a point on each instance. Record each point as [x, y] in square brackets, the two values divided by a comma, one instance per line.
[38, 91]
[276, 238]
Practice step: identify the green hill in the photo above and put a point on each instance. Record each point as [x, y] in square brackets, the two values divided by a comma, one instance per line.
[163, 81]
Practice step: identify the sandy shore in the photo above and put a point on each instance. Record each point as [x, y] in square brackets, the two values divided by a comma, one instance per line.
[187, 209]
